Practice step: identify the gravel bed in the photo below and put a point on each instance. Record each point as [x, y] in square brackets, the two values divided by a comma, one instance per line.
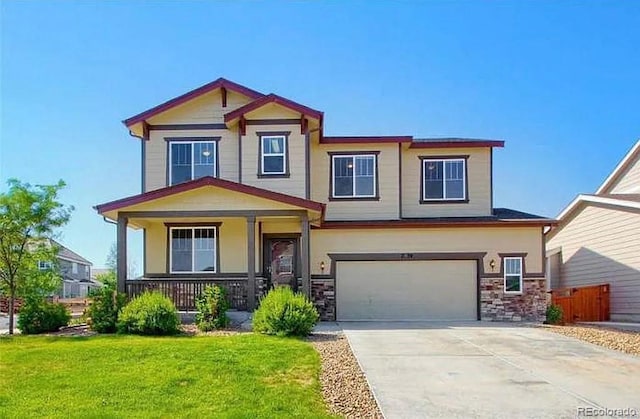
[619, 340]
[344, 386]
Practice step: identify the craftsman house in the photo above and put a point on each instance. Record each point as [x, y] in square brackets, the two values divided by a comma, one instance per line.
[246, 190]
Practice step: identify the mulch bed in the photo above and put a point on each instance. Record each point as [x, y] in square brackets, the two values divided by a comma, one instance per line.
[344, 386]
[619, 340]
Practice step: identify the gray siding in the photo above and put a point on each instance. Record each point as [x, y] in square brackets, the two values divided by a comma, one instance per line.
[602, 245]
[66, 270]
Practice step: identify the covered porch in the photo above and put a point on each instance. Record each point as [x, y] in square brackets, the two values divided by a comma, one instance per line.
[210, 231]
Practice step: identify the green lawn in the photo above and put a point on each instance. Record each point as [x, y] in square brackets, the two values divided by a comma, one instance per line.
[236, 376]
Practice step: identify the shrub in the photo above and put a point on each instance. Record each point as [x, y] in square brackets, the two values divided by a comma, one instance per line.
[102, 314]
[554, 314]
[285, 313]
[150, 313]
[212, 306]
[40, 316]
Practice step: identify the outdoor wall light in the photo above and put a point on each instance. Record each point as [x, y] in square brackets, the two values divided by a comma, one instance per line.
[492, 263]
[322, 266]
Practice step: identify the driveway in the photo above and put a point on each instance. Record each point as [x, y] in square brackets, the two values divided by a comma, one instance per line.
[489, 370]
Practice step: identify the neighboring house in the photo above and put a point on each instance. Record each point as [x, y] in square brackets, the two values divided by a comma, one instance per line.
[597, 240]
[75, 271]
[246, 190]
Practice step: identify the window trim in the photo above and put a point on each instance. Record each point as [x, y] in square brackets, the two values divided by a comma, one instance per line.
[465, 185]
[193, 227]
[353, 154]
[44, 265]
[504, 274]
[192, 141]
[265, 134]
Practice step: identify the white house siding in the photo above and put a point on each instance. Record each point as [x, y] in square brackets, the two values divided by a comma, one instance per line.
[602, 245]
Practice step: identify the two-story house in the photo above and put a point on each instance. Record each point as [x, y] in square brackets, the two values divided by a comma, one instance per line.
[245, 190]
[74, 270]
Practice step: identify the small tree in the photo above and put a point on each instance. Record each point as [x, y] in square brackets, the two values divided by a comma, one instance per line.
[29, 215]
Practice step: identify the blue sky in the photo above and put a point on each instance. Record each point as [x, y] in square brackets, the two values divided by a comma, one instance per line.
[558, 80]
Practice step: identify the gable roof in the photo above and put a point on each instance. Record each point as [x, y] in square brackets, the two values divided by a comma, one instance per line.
[209, 181]
[221, 82]
[272, 98]
[67, 254]
[626, 161]
[622, 201]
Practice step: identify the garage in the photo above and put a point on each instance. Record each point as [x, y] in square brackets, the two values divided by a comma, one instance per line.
[407, 290]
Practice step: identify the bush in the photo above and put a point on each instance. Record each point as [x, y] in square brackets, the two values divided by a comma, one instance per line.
[102, 314]
[149, 314]
[212, 306]
[40, 316]
[554, 314]
[285, 313]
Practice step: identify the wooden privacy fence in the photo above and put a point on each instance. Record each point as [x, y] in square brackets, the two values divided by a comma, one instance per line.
[183, 292]
[583, 304]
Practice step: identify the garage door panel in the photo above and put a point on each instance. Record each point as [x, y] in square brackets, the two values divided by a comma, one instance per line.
[406, 290]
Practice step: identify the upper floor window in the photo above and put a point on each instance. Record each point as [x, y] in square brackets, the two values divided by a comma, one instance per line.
[512, 275]
[273, 160]
[193, 249]
[74, 268]
[44, 265]
[444, 179]
[191, 159]
[353, 176]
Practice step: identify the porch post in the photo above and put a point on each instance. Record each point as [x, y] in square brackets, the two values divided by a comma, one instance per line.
[251, 262]
[121, 246]
[304, 253]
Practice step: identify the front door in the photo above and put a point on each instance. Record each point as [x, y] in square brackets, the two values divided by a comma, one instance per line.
[280, 260]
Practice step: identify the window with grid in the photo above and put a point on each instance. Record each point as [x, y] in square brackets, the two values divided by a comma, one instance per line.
[193, 249]
[443, 179]
[354, 176]
[513, 274]
[191, 160]
[273, 154]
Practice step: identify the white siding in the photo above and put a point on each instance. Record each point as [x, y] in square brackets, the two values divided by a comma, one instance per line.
[602, 245]
[629, 181]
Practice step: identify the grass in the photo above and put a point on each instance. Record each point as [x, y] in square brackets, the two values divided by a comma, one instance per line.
[239, 376]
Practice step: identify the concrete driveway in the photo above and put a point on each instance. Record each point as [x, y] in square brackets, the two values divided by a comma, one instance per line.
[488, 370]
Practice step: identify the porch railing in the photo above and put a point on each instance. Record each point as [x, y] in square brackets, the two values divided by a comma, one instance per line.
[183, 292]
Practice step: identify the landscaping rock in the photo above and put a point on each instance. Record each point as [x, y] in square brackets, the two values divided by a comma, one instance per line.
[624, 341]
[344, 386]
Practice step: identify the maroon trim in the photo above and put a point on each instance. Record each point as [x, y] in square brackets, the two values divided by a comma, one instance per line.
[367, 139]
[407, 223]
[457, 144]
[210, 181]
[223, 91]
[221, 82]
[272, 98]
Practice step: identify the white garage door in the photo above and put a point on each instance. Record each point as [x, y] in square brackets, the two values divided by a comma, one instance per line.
[406, 290]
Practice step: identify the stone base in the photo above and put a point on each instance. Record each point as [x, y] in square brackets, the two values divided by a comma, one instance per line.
[495, 305]
[323, 295]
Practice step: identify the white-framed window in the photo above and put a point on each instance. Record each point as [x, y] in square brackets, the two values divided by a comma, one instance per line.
[44, 265]
[74, 268]
[193, 249]
[353, 176]
[87, 270]
[444, 179]
[512, 275]
[190, 160]
[273, 154]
